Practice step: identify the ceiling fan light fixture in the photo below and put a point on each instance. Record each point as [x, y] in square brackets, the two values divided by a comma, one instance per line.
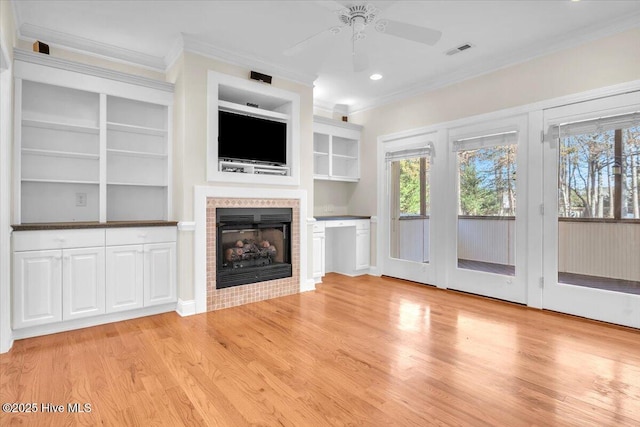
[375, 76]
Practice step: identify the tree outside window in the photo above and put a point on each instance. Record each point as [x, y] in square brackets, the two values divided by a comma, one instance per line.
[487, 181]
[599, 175]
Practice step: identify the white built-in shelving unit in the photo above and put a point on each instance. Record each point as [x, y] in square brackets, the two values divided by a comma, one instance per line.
[234, 94]
[91, 144]
[137, 160]
[336, 150]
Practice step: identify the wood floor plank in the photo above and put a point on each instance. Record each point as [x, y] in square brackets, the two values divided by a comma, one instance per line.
[357, 351]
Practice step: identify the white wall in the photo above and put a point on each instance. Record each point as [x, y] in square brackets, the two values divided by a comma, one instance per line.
[332, 197]
[7, 41]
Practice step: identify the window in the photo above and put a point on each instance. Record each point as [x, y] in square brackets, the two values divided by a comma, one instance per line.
[487, 202]
[413, 186]
[599, 172]
[487, 181]
[410, 204]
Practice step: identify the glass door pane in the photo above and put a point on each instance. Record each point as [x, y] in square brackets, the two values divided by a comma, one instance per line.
[410, 205]
[598, 212]
[487, 209]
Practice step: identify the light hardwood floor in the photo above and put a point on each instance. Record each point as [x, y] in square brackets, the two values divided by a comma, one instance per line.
[358, 351]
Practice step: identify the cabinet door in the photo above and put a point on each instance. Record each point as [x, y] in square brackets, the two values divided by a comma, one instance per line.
[37, 288]
[124, 288]
[83, 278]
[318, 255]
[159, 273]
[363, 249]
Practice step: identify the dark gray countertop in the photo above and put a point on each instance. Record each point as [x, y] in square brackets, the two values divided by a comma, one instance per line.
[91, 224]
[340, 217]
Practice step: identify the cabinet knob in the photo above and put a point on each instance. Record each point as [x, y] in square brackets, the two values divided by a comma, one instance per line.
[60, 239]
[142, 235]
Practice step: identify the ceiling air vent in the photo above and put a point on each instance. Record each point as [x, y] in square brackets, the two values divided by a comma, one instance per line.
[459, 49]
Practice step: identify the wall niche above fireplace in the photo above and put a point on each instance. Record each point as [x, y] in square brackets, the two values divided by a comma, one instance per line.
[266, 103]
[253, 245]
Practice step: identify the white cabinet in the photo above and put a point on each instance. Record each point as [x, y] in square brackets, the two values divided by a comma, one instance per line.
[83, 283]
[159, 273]
[90, 144]
[124, 277]
[65, 275]
[37, 288]
[58, 275]
[318, 252]
[336, 150]
[141, 267]
[363, 249]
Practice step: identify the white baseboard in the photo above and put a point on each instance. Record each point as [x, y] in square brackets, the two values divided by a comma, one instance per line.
[186, 308]
[374, 271]
[310, 285]
[6, 342]
[87, 322]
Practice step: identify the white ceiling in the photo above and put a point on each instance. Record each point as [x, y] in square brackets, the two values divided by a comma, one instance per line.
[255, 34]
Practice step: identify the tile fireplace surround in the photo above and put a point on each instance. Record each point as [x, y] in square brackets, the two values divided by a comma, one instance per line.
[206, 200]
[243, 294]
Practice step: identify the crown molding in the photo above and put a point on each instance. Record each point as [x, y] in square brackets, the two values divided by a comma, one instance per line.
[536, 50]
[5, 59]
[324, 105]
[338, 123]
[174, 53]
[193, 45]
[65, 64]
[29, 32]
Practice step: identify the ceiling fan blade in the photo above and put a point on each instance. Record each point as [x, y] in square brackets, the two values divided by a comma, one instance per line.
[300, 46]
[333, 6]
[360, 62]
[408, 31]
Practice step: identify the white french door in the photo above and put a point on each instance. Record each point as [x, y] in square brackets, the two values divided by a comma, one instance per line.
[591, 255]
[486, 209]
[408, 218]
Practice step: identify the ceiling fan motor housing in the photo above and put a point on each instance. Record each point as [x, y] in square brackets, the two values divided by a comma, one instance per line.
[358, 14]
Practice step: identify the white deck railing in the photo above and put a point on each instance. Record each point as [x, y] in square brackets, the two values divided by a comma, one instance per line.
[604, 249]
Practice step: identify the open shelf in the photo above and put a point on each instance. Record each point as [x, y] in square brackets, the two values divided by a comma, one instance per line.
[80, 150]
[134, 184]
[67, 127]
[137, 153]
[336, 148]
[51, 153]
[136, 129]
[56, 201]
[60, 181]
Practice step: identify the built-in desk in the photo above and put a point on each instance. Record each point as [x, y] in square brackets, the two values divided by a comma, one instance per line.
[341, 244]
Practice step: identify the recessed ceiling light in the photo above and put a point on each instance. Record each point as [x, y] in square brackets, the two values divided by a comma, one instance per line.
[375, 76]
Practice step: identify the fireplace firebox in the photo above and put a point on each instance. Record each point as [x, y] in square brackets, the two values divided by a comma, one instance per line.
[253, 245]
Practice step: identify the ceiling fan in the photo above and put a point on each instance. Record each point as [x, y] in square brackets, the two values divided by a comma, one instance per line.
[358, 16]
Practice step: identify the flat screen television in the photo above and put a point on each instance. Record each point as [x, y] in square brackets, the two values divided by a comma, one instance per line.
[247, 138]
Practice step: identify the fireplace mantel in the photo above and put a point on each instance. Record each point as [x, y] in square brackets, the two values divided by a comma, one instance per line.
[202, 193]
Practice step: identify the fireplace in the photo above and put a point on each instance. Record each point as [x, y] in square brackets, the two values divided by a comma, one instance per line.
[253, 245]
